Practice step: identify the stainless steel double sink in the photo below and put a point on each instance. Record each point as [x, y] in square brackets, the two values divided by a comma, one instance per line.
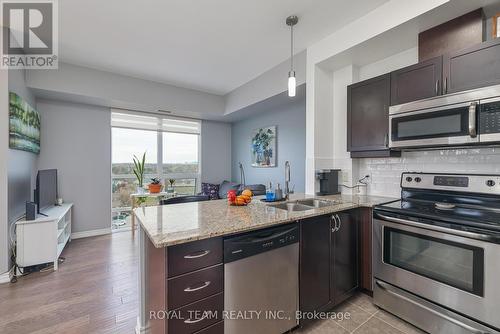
[305, 204]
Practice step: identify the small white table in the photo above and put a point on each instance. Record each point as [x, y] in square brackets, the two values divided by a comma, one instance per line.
[135, 196]
[42, 240]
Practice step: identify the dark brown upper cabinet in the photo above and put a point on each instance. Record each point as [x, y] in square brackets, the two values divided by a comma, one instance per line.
[456, 34]
[368, 117]
[416, 82]
[474, 67]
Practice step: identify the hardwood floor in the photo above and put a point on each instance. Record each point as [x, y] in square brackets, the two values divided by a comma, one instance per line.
[94, 291]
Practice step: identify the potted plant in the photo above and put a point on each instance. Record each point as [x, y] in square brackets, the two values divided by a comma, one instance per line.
[139, 172]
[170, 188]
[155, 186]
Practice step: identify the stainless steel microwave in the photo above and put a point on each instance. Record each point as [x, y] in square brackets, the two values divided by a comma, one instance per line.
[460, 119]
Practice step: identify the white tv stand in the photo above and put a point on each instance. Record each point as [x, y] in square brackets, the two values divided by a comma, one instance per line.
[42, 240]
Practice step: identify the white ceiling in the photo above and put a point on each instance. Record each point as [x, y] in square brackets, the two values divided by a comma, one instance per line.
[214, 46]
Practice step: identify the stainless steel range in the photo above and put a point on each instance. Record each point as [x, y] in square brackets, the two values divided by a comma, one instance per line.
[436, 253]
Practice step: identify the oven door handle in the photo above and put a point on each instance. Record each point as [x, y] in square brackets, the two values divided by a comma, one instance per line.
[466, 234]
[473, 119]
[387, 289]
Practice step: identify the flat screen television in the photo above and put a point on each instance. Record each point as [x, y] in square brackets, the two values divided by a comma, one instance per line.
[46, 189]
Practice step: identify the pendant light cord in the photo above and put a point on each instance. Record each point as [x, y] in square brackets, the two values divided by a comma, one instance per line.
[291, 48]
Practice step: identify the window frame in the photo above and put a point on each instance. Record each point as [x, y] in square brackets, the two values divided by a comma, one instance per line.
[159, 156]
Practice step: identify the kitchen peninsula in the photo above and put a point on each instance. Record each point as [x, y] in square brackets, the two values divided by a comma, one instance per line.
[182, 256]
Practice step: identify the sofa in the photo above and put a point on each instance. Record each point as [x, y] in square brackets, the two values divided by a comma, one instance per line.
[218, 191]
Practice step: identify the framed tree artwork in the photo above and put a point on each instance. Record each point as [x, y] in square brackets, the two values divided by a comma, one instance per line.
[24, 125]
[264, 147]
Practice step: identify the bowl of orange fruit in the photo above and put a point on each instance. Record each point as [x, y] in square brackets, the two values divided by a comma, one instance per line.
[239, 200]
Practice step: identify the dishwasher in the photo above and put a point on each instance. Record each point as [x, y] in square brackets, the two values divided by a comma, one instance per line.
[261, 281]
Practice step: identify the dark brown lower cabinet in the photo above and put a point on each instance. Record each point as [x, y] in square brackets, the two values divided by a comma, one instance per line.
[329, 262]
[186, 281]
[315, 263]
[364, 218]
[345, 257]
[218, 328]
[195, 317]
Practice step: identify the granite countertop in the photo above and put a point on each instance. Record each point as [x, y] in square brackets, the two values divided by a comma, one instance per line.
[174, 224]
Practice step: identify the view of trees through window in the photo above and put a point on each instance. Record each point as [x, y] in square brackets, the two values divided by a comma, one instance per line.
[168, 156]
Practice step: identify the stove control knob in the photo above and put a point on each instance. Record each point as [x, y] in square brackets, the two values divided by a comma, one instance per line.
[409, 179]
[417, 179]
[490, 183]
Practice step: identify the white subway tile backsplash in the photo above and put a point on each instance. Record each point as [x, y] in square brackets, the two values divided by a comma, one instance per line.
[386, 173]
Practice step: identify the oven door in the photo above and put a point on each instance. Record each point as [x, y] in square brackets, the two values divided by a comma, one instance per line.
[450, 125]
[444, 267]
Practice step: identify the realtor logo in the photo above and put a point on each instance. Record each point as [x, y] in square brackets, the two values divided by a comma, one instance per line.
[29, 36]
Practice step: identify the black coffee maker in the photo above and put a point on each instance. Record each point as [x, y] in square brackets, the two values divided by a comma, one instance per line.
[328, 181]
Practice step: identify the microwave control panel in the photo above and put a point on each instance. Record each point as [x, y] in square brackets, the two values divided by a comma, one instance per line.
[489, 119]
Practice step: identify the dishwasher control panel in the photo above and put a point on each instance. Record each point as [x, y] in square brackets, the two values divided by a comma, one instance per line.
[252, 243]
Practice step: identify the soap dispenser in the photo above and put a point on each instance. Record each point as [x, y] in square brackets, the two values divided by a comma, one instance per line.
[270, 193]
[278, 193]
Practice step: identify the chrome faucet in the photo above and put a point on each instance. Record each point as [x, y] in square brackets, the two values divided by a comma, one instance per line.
[287, 191]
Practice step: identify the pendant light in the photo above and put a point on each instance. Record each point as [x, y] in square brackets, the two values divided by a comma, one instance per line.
[292, 83]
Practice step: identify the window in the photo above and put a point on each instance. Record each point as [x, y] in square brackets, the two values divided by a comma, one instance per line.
[172, 147]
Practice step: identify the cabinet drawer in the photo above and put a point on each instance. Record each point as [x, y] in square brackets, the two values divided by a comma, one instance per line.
[192, 256]
[218, 328]
[194, 286]
[197, 316]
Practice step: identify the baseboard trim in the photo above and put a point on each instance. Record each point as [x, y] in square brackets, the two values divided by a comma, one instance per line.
[5, 277]
[91, 233]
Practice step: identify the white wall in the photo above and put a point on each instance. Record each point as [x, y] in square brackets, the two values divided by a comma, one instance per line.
[215, 151]
[342, 159]
[320, 88]
[91, 86]
[386, 173]
[389, 64]
[4, 151]
[76, 139]
[268, 84]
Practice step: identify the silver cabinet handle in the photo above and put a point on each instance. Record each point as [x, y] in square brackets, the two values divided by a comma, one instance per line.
[472, 119]
[203, 286]
[190, 321]
[445, 88]
[340, 222]
[197, 255]
[471, 329]
[437, 87]
[336, 227]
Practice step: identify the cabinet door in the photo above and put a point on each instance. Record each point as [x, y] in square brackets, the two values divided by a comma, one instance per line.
[474, 67]
[417, 82]
[368, 114]
[364, 219]
[315, 263]
[345, 255]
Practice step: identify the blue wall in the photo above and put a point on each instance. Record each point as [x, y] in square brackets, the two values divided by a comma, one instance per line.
[290, 121]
